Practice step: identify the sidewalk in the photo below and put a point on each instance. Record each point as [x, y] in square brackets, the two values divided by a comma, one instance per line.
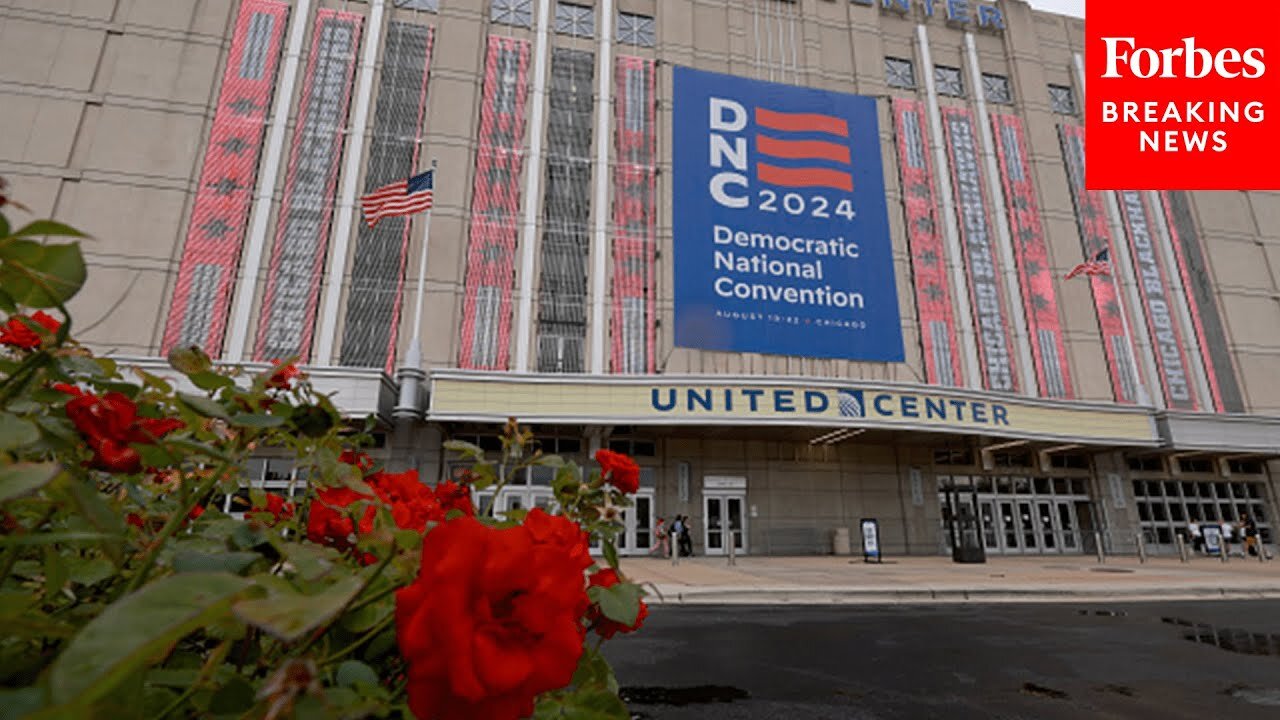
[831, 580]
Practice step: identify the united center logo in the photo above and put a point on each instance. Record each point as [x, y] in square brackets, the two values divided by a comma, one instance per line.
[850, 403]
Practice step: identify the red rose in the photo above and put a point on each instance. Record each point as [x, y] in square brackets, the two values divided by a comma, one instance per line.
[492, 621]
[279, 508]
[110, 424]
[561, 533]
[413, 504]
[619, 470]
[135, 520]
[282, 376]
[329, 524]
[195, 512]
[455, 496]
[603, 626]
[359, 459]
[17, 331]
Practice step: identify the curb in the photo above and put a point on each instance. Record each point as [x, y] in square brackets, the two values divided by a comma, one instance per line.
[870, 596]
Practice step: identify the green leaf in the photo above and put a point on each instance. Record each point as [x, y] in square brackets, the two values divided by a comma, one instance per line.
[138, 630]
[4, 227]
[189, 360]
[467, 449]
[290, 616]
[204, 406]
[233, 698]
[620, 603]
[190, 561]
[154, 381]
[483, 475]
[41, 228]
[210, 380]
[55, 571]
[90, 572]
[554, 461]
[15, 432]
[20, 702]
[7, 302]
[78, 364]
[41, 276]
[256, 421]
[611, 554]
[94, 508]
[353, 671]
[21, 479]
[312, 562]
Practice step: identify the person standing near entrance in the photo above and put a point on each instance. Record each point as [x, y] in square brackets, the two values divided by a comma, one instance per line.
[1249, 529]
[660, 531]
[686, 538]
[677, 528]
[1197, 538]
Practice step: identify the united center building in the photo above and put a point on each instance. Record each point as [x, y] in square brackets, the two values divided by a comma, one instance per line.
[804, 260]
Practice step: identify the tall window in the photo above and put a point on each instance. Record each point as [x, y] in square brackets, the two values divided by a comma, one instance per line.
[577, 20]
[635, 29]
[512, 12]
[899, 73]
[995, 88]
[948, 80]
[428, 5]
[1062, 99]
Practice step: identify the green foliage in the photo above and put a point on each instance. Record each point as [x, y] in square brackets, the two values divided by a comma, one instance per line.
[118, 598]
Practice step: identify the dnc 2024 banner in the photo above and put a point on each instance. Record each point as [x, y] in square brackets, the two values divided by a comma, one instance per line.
[781, 232]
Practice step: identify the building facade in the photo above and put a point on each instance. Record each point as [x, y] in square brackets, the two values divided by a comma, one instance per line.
[217, 149]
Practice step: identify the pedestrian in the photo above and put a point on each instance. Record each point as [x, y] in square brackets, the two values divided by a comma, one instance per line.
[677, 528]
[1197, 538]
[1250, 529]
[1228, 533]
[660, 531]
[686, 538]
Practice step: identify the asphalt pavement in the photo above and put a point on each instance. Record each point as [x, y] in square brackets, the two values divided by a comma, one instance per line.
[1207, 660]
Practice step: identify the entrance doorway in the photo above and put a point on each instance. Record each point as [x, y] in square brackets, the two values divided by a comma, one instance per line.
[1026, 515]
[637, 537]
[724, 517]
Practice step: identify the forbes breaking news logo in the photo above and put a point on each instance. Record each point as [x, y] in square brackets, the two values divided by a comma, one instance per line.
[1179, 107]
[803, 150]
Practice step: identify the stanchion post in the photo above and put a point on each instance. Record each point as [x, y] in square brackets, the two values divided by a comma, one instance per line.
[1222, 550]
[1182, 548]
[1142, 548]
[1097, 543]
[675, 549]
[733, 546]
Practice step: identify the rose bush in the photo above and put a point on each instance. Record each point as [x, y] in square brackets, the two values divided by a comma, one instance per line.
[142, 576]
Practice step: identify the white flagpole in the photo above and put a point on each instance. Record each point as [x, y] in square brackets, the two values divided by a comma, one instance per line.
[411, 373]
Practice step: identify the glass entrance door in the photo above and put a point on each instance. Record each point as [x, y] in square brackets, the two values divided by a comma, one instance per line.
[637, 537]
[1026, 516]
[724, 522]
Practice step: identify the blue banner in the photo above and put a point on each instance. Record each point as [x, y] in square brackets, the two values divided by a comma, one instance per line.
[782, 239]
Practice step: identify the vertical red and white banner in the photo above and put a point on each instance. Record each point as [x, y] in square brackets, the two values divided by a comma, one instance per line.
[1157, 302]
[1206, 317]
[220, 214]
[633, 302]
[1035, 273]
[288, 316]
[1095, 236]
[990, 313]
[495, 203]
[924, 238]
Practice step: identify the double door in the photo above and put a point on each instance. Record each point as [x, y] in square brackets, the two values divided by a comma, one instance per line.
[1014, 525]
[724, 521]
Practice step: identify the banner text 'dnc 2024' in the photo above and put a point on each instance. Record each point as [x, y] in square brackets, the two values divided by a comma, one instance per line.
[782, 239]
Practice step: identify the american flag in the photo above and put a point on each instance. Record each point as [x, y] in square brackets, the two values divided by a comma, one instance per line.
[1099, 264]
[399, 198]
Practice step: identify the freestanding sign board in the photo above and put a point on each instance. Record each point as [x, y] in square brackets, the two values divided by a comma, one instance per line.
[871, 540]
[782, 241]
[1212, 538]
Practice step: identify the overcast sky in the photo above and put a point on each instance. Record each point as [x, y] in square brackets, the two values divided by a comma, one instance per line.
[1067, 7]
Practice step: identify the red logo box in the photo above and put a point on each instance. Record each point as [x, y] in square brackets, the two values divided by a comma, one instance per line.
[1180, 95]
